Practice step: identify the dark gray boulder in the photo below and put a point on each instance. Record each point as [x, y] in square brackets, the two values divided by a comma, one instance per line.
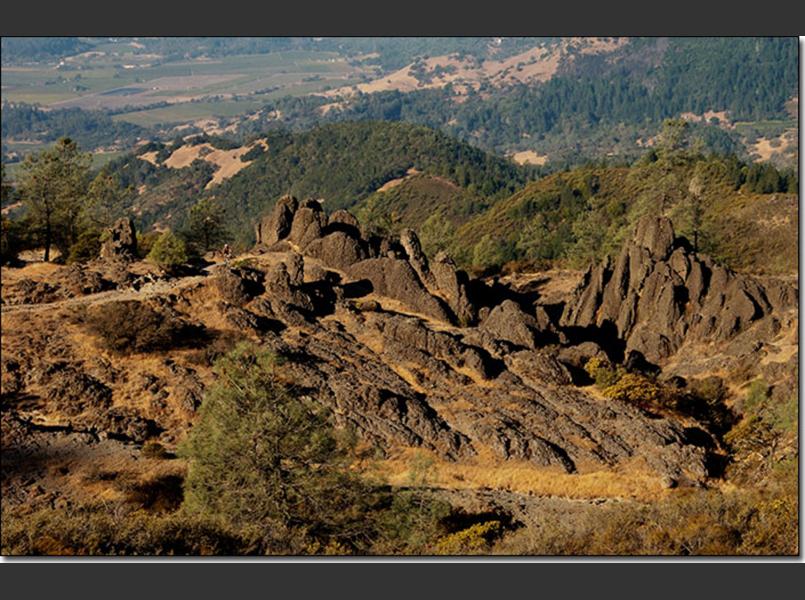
[120, 241]
[413, 250]
[449, 284]
[396, 278]
[308, 223]
[338, 250]
[277, 225]
[509, 322]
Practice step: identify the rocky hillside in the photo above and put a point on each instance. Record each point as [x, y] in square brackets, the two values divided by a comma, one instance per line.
[410, 353]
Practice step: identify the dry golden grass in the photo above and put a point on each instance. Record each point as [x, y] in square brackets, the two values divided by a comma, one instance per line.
[529, 157]
[765, 150]
[39, 271]
[227, 161]
[535, 64]
[395, 182]
[407, 373]
[488, 471]
[149, 157]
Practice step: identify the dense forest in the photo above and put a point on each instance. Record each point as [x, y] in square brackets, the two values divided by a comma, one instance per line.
[91, 129]
[342, 163]
[751, 78]
[16, 50]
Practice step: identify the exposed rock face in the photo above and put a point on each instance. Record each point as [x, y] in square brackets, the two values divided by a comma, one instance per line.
[417, 258]
[276, 226]
[450, 283]
[440, 278]
[28, 291]
[538, 368]
[509, 322]
[344, 221]
[308, 223]
[239, 285]
[337, 250]
[79, 281]
[659, 295]
[120, 241]
[655, 234]
[524, 410]
[396, 278]
[578, 355]
[338, 243]
[295, 265]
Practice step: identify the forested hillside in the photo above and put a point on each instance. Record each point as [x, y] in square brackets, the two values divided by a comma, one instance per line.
[341, 163]
[565, 102]
[486, 211]
[91, 129]
[20, 50]
[599, 104]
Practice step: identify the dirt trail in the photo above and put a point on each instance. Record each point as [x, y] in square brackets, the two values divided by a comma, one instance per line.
[149, 290]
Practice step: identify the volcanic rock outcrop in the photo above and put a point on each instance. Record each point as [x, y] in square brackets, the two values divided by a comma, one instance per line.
[399, 271]
[120, 241]
[660, 294]
[277, 225]
[406, 351]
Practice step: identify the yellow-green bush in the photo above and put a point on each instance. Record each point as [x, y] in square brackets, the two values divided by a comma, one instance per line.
[603, 372]
[475, 539]
[637, 389]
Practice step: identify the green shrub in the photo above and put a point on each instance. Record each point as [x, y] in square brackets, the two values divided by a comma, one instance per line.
[687, 523]
[99, 531]
[637, 389]
[10, 242]
[475, 539]
[145, 242]
[168, 252]
[602, 372]
[153, 449]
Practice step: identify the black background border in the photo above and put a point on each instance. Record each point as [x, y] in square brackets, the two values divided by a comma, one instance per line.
[402, 17]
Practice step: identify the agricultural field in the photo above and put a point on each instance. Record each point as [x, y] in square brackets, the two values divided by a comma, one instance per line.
[113, 77]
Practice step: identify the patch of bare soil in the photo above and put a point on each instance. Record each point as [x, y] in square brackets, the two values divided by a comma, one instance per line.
[529, 157]
[766, 148]
[229, 162]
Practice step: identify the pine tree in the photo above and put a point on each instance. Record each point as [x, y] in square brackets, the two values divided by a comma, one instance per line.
[53, 186]
[205, 226]
[261, 455]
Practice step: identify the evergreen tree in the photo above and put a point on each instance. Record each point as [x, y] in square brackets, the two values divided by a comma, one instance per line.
[435, 233]
[261, 455]
[105, 200]
[205, 228]
[168, 252]
[53, 186]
